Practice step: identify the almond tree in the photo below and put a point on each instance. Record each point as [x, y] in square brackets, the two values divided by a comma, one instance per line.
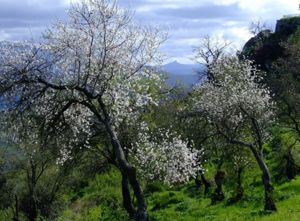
[210, 50]
[92, 67]
[240, 109]
[33, 156]
[89, 73]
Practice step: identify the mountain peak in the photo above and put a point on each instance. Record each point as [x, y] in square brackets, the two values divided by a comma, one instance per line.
[175, 62]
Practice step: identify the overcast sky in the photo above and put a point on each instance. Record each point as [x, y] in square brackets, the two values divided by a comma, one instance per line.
[185, 20]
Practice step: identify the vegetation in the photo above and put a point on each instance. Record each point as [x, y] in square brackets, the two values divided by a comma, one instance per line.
[91, 132]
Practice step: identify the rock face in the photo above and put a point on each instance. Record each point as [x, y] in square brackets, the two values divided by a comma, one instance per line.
[266, 46]
[287, 25]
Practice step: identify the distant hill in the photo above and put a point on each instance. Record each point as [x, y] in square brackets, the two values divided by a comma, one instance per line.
[187, 74]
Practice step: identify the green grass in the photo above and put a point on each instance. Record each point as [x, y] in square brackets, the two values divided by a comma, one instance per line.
[101, 200]
[182, 206]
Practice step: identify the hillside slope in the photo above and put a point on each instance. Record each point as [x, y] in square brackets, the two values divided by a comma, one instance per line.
[101, 200]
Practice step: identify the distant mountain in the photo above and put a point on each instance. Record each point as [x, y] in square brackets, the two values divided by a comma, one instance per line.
[187, 74]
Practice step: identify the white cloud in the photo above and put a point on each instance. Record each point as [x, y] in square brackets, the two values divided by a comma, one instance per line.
[234, 29]
[185, 20]
[4, 36]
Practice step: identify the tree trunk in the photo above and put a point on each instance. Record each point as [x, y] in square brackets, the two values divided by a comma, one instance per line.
[31, 176]
[16, 212]
[202, 180]
[240, 189]
[198, 182]
[207, 184]
[291, 168]
[266, 179]
[141, 214]
[127, 203]
[218, 195]
[130, 173]
[32, 209]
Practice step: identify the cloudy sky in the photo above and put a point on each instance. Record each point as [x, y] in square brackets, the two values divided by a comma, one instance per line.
[186, 21]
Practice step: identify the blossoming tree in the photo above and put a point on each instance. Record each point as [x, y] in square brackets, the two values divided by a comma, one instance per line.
[240, 109]
[89, 72]
[33, 156]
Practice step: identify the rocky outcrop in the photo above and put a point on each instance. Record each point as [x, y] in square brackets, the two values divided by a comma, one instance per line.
[266, 46]
[288, 25]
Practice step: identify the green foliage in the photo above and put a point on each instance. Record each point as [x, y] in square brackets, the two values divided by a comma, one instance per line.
[6, 214]
[283, 147]
[101, 199]
[294, 39]
[291, 18]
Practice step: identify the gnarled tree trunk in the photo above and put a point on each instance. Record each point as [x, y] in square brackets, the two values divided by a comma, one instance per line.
[266, 179]
[291, 169]
[127, 202]
[218, 195]
[206, 183]
[129, 173]
[240, 189]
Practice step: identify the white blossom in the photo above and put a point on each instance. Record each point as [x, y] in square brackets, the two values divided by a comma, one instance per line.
[236, 97]
[91, 68]
[169, 159]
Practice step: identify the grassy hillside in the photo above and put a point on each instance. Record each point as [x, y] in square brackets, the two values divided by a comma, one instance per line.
[182, 205]
[101, 200]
